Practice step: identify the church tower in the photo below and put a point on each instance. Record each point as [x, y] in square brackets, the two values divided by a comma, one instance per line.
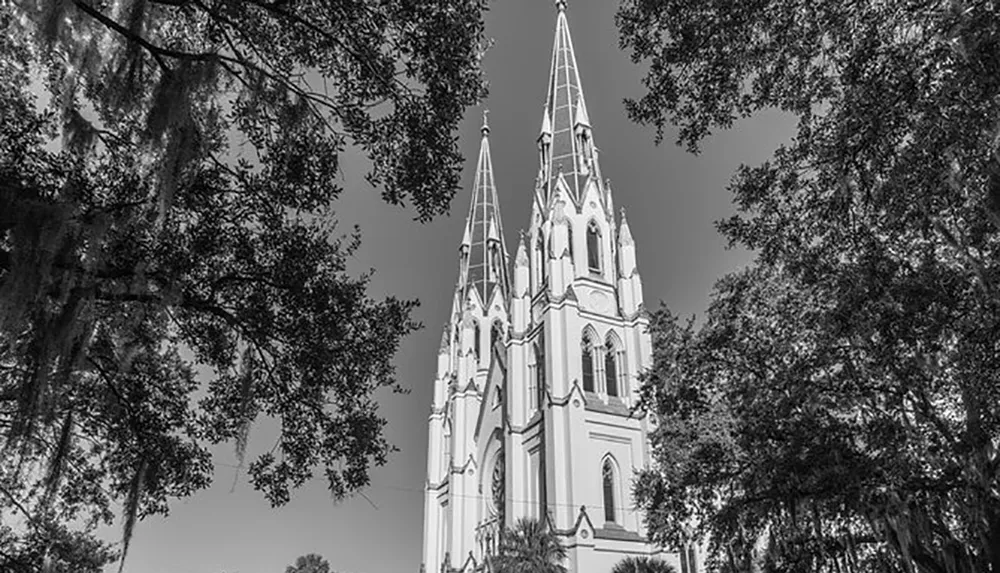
[536, 420]
[479, 320]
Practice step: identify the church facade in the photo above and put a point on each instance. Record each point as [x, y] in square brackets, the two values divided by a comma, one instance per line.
[538, 364]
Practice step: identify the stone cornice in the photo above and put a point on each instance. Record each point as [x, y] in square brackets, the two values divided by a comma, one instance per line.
[535, 419]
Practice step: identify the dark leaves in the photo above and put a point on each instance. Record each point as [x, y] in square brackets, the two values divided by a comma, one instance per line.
[189, 221]
[854, 369]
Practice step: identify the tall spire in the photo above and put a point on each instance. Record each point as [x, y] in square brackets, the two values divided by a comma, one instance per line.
[569, 148]
[483, 244]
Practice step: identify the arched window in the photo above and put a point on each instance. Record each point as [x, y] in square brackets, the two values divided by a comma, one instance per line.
[611, 371]
[583, 142]
[446, 458]
[463, 263]
[542, 260]
[540, 367]
[494, 267]
[587, 362]
[532, 379]
[608, 481]
[614, 367]
[593, 247]
[475, 341]
[569, 239]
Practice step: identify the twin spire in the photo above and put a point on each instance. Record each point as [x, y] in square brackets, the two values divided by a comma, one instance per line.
[483, 252]
[566, 151]
[565, 140]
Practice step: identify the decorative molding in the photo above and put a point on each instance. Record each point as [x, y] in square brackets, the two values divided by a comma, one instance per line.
[599, 301]
[618, 534]
[616, 408]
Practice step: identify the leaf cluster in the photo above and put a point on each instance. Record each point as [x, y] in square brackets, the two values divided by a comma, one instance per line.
[838, 409]
[529, 546]
[171, 268]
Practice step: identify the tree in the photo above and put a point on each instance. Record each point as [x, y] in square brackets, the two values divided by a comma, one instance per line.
[170, 204]
[643, 565]
[839, 408]
[529, 547]
[311, 563]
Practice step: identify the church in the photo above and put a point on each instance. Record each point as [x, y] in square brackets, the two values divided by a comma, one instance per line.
[538, 366]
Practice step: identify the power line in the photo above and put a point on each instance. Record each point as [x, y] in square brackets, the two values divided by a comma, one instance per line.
[422, 491]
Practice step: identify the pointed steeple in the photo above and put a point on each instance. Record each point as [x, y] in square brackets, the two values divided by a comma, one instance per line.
[569, 148]
[486, 267]
[624, 233]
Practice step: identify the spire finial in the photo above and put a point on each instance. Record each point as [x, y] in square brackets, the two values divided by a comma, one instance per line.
[561, 5]
[485, 129]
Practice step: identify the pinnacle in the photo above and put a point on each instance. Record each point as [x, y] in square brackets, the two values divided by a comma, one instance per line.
[546, 123]
[624, 233]
[445, 338]
[521, 258]
[582, 117]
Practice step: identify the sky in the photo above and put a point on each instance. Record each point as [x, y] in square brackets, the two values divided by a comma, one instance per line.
[672, 199]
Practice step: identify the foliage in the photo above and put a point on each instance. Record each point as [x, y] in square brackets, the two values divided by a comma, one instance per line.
[643, 565]
[840, 407]
[530, 546]
[166, 208]
[311, 563]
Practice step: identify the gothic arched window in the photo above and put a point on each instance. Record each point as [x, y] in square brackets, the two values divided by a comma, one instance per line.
[497, 485]
[584, 143]
[446, 458]
[542, 260]
[532, 379]
[494, 267]
[608, 482]
[587, 362]
[540, 366]
[611, 372]
[569, 240]
[614, 367]
[475, 341]
[594, 247]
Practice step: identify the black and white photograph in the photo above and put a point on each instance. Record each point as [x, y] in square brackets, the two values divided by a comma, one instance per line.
[521, 286]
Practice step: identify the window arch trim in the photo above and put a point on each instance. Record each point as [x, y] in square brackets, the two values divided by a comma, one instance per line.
[588, 359]
[594, 244]
[615, 368]
[611, 489]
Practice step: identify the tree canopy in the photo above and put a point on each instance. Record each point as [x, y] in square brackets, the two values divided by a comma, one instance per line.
[168, 177]
[311, 563]
[840, 407]
[529, 546]
[643, 565]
